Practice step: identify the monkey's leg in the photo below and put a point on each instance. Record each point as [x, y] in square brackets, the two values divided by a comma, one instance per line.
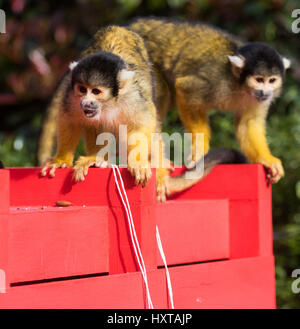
[250, 131]
[162, 177]
[162, 95]
[195, 122]
[67, 139]
[83, 163]
[193, 113]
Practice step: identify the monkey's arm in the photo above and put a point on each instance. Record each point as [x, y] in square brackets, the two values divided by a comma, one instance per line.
[67, 139]
[138, 153]
[91, 158]
[250, 130]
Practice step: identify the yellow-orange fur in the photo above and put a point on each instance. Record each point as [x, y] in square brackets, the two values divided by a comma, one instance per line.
[193, 62]
[135, 109]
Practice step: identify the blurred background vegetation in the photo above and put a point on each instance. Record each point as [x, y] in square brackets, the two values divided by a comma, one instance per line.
[44, 36]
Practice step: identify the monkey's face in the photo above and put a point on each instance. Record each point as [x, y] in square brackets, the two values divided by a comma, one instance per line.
[264, 88]
[98, 83]
[91, 98]
[260, 69]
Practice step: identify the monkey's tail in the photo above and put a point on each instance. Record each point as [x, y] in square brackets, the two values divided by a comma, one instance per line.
[47, 136]
[211, 159]
[48, 133]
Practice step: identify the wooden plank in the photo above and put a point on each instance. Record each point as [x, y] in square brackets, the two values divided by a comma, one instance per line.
[4, 209]
[122, 256]
[57, 242]
[158, 289]
[251, 228]
[244, 181]
[99, 188]
[4, 190]
[244, 228]
[240, 283]
[265, 219]
[107, 292]
[193, 231]
[4, 266]
[28, 188]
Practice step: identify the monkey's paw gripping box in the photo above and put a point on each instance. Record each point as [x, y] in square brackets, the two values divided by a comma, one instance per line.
[217, 238]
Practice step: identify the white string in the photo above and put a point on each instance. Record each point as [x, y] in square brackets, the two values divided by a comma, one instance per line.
[134, 239]
[133, 235]
[160, 248]
[136, 245]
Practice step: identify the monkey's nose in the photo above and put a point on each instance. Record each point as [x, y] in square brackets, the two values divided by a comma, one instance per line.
[258, 93]
[261, 95]
[91, 105]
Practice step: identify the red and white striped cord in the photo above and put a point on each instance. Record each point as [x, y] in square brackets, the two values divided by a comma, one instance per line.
[135, 241]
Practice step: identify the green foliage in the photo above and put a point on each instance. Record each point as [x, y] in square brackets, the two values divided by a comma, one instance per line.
[60, 30]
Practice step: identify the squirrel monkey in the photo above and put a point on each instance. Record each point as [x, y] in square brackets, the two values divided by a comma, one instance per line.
[111, 85]
[200, 67]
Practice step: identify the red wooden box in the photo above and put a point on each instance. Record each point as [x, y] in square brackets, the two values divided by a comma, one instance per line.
[217, 238]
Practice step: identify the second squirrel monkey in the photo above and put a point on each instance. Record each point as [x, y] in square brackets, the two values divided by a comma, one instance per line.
[111, 85]
[201, 67]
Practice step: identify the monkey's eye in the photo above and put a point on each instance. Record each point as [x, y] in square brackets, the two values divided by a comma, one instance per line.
[272, 80]
[96, 91]
[260, 80]
[82, 89]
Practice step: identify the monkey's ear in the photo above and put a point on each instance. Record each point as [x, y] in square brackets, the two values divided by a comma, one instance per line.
[124, 78]
[125, 75]
[286, 63]
[72, 65]
[237, 63]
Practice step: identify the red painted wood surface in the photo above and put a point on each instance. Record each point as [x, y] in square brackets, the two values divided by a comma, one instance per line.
[250, 205]
[122, 258]
[4, 191]
[29, 188]
[57, 242]
[194, 231]
[227, 215]
[242, 283]
[112, 291]
[235, 182]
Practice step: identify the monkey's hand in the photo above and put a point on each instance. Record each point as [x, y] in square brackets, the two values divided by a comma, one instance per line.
[140, 171]
[53, 164]
[274, 169]
[83, 164]
[162, 177]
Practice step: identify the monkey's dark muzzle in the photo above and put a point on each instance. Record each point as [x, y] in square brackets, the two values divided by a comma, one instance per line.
[261, 95]
[90, 109]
